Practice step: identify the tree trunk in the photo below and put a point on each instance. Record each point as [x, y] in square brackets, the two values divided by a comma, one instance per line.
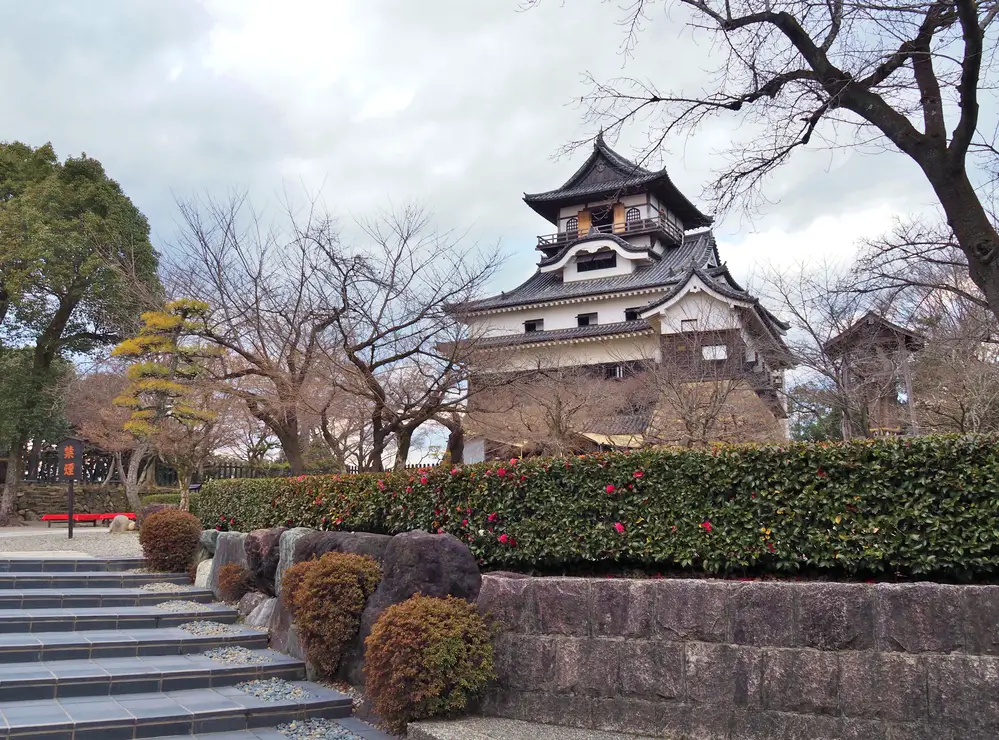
[130, 478]
[971, 225]
[456, 444]
[403, 441]
[8, 502]
[184, 480]
[378, 439]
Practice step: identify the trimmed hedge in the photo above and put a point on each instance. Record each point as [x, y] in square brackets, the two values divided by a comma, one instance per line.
[926, 506]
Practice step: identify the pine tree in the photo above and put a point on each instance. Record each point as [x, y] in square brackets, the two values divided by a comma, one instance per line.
[161, 390]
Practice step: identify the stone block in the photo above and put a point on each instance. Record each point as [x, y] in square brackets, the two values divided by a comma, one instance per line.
[651, 669]
[201, 577]
[119, 525]
[722, 674]
[228, 549]
[621, 608]
[565, 710]
[563, 605]
[920, 617]
[262, 614]
[695, 722]
[981, 607]
[208, 540]
[762, 614]
[631, 716]
[510, 603]
[262, 553]
[249, 602]
[691, 610]
[964, 691]
[501, 703]
[316, 544]
[283, 635]
[524, 662]
[836, 616]
[286, 553]
[803, 681]
[750, 725]
[882, 686]
[586, 666]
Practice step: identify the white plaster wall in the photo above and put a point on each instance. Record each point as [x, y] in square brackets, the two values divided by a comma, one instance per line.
[584, 353]
[711, 314]
[609, 311]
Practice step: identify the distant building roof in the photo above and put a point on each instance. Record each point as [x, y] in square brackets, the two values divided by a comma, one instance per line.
[606, 173]
[873, 328]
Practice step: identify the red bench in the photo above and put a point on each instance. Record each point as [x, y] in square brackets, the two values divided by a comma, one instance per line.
[82, 518]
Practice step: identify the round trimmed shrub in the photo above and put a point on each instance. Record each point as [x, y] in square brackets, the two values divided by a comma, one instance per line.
[327, 597]
[234, 582]
[427, 657]
[169, 540]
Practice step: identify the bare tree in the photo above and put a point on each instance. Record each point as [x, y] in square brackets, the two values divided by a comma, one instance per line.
[905, 75]
[401, 345]
[269, 308]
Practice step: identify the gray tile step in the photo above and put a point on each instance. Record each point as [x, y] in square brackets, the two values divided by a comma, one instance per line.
[80, 619]
[154, 714]
[68, 598]
[30, 564]
[113, 676]
[24, 580]
[20, 647]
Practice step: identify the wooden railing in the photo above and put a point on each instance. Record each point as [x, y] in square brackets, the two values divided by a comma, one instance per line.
[547, 241]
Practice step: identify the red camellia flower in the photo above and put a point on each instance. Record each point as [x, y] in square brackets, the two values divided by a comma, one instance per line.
[610, 488]
[464, 522]
[454, 471]
[409, 489]
[501, 472]
[706, 525]
[504, 538]
[423, 480]
[492, 517]
[513, 461]
[821, 473]
[638, 474]
[440, 531]
[619, 527]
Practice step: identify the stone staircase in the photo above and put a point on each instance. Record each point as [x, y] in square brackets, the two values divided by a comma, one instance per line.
[91, 651]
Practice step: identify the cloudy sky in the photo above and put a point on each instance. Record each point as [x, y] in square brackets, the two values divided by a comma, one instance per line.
[459, 105]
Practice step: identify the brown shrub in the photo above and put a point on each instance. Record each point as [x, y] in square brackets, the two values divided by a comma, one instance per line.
[291, 580]
[169, 540]
[234, 582]
[427, 657]
[327, 597]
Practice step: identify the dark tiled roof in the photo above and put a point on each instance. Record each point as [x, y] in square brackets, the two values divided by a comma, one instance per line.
[562, 335]
[618, 174]
[867, 328]
[698, 248]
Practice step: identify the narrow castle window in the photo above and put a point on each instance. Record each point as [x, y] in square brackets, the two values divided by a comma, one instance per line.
[598, 261]
[631, 217]
[572, 226]
[586, 319]
[714, 352]
[534, 325]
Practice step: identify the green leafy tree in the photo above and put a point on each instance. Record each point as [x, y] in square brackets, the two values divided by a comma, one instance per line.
[162, 389]
[76, 267]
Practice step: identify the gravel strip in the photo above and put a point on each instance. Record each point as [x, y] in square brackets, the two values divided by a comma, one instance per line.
[237, 655]
[165, 587]
[97, 543]
[203, 627]
[317, 729]
[274, 689]
[183, 606]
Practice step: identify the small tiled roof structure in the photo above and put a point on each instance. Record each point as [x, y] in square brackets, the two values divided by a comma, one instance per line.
[698, 248]
[578, 333]
[606, 173]
[873, 328]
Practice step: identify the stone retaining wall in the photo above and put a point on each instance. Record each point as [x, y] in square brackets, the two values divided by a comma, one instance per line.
[34, 500]
[715, 659]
